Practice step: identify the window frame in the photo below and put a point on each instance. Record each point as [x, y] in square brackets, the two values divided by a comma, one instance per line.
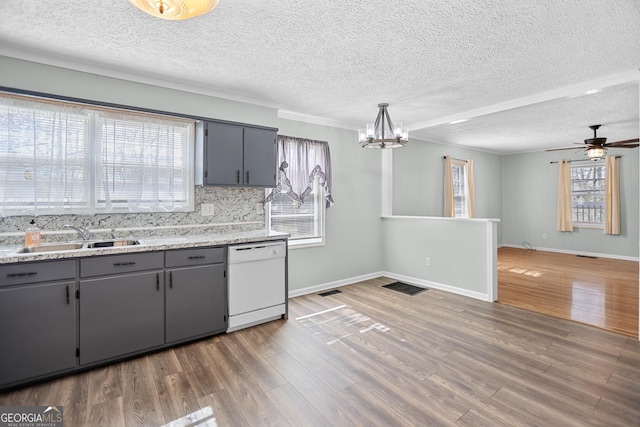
[320, 210]
[464, 185]
[593, 225]
[92, 205]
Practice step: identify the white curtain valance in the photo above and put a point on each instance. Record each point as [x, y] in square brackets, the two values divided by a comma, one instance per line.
[300, 162]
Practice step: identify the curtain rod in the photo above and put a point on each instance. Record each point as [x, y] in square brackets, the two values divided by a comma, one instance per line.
[453, 158]
[583, 160]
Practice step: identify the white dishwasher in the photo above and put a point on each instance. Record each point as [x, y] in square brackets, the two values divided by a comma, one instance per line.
[256, 283]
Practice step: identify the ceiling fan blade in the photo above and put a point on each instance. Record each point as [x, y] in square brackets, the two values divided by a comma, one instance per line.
[624, 146]
[625, 143]
[561, 149]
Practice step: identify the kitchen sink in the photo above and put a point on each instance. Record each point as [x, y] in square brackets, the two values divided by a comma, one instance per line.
[111, 243]
[75, 246]
[50, 247]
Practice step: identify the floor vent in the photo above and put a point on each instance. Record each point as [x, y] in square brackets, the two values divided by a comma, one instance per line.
[405, 288]
[587, 256]
[333, 292]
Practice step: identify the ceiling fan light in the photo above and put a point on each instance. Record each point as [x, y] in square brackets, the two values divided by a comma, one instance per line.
[596, 153]
[175, 10]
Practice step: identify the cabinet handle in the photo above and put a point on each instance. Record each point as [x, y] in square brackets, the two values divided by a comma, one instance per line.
[67, 294]
[171, 279]
[238, 177]
[119, 264]
[31, 273]
[197, 257]
[247, 177]
[158, 282]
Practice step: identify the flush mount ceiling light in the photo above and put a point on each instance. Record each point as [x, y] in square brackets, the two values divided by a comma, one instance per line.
[382, 133]
[175, 10]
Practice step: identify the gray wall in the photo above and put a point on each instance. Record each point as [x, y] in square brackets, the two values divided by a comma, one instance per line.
[460, 252]
[418, 171]
[353, 224]
[529, 210]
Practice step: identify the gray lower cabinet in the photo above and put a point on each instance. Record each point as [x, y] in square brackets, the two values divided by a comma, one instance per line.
[61, 316]
[120, 315]
[37, 331]
[123, 312]
[195, 302]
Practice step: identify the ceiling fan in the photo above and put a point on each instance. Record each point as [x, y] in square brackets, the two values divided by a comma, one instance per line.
[596, 147]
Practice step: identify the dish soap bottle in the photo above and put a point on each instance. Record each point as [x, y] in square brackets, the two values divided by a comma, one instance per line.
[32, 235]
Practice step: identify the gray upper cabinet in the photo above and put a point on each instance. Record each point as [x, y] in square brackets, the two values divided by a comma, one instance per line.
[237, 155]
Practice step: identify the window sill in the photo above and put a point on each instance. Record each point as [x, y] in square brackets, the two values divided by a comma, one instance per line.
[587, 225]
[307, 243]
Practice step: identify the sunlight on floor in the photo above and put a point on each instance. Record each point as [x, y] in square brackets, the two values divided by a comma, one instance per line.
[196, 418]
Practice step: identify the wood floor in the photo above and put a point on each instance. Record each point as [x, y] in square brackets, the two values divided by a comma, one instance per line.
[600, 292]
[369, 356]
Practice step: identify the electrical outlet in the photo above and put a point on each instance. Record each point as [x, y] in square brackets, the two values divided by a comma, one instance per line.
[544, 235]
[206, 209]
[259, 208]
[427, 261]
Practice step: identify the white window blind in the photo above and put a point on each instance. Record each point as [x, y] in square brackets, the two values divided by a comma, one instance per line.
[57, 157]
[303, 221]
[587, 193]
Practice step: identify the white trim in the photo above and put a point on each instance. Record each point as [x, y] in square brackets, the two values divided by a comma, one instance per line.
[440, 218]
[492, 262]
[566, 251]
[127, 76]
[316, 120]
[579, 89]
[387, 182]
[435, 285]
[407, 279]
[330, 285]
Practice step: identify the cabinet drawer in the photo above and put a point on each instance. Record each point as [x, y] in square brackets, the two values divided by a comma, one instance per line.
[196, 256]
[33, 272]
[125, 263]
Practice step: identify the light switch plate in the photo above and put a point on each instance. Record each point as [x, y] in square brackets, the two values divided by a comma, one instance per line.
[206, 209]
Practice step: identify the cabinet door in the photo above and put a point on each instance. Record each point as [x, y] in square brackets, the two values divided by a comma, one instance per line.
[37, 330]
[223, 154]
[195, 302]
[259, 157]
[120, 315]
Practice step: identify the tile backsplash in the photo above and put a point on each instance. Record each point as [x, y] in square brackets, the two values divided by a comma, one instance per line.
[235, 209]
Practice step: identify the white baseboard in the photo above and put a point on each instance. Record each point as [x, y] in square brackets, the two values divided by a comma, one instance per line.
[435, 285]
[565, 251]
[330, 285]
[410, 280]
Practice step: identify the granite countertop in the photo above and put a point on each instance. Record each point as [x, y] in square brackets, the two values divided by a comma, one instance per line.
[8, 254]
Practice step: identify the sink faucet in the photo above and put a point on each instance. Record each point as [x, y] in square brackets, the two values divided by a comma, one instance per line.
[83, 232]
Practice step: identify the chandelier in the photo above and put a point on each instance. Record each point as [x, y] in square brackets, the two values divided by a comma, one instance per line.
[382, 133]
[175, 10]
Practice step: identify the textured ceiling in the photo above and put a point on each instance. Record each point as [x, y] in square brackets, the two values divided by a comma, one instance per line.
[336, 60]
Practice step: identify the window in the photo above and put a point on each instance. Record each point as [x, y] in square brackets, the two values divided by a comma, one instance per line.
[460, 192]
[303, 221]
[297, 205]
[587, 194]
[59, 157]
